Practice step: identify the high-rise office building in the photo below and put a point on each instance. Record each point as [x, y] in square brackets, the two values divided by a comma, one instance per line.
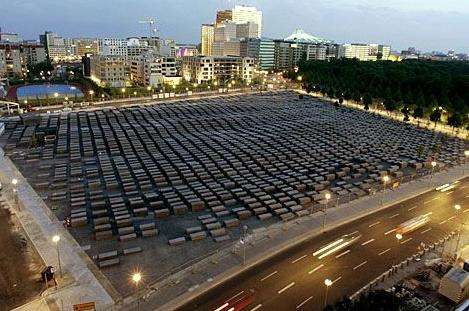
[262, 50]
[244, 14]
[55, 46]
[223, 17]
[207, 33]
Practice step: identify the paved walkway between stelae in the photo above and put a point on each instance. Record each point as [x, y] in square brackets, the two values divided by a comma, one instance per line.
[179, 288]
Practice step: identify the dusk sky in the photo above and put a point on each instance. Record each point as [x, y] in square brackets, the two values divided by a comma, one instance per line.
[426, 24]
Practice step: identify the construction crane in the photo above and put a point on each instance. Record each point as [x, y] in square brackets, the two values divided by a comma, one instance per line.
[151, 24]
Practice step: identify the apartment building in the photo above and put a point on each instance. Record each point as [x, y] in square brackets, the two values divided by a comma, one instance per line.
[111, 71]
[218, 68]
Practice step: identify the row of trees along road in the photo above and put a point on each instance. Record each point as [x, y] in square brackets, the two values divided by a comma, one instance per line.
[435, 90]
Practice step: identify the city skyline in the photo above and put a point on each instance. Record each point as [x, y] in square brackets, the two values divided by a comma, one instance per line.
[395, 22]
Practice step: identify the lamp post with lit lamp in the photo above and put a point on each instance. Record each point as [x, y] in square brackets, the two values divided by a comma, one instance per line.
[328, 284]
[123, 92]
[14, 183]
[433, 164]
[466, 155]
[91, 92]
[56, 95]
[457, 207]
[56, 240]
[136, 278]
[327, 196]
[385, 180]
[399, 238]
[243, 242]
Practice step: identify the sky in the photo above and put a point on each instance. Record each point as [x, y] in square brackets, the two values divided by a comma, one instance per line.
[429, 25]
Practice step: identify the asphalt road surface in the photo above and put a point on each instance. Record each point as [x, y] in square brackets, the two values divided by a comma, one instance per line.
[294, 280]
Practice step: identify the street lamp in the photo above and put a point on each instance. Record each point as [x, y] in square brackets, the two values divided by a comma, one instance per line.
[123, 92]
[243, 242]
[399, 237]
[457, 207]
[135, 93]
[433, 163]
[327, 196]
[136, 278]
[56, 239]
[328, 284]
[385, 181]
[14, 182]
[466, 155]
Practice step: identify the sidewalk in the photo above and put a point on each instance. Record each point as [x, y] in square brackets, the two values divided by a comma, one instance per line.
[176, 290]
[81, 281]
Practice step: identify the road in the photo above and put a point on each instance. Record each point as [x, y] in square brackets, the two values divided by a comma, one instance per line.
[294, 280]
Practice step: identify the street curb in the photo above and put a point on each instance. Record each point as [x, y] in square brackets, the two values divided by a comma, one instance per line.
[285, 246]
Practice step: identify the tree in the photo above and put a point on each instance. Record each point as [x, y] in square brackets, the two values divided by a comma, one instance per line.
[367, 101]
[390, 105]
[455, 120]
[435, 116]
[418, 112]
[420, 85]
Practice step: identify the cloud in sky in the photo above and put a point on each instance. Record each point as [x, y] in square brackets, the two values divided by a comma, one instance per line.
[426, 24]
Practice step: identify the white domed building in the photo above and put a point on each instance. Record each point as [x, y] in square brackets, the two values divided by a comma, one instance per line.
[300, 36]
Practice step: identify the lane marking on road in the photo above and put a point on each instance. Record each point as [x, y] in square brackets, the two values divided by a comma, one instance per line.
[431, 200]
[384, 252]
[466, 210]
[374, 224]
[426, 230]
[413, 207]
[268, 276]
[367, 242]
[316, 269]
[223, 306]
[304, 301]
[256, 307]
[240, 293]
[298, 259]
[443, 222]
[353, 232]
[390, 231]
[395, 215]
[342, 254]
[362, 264]
[336, 280]
[448, 193]
[286, 287]
[467, 196]
[405, 241]
[451, 217]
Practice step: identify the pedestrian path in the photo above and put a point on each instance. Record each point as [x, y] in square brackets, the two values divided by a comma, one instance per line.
[81, 281]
